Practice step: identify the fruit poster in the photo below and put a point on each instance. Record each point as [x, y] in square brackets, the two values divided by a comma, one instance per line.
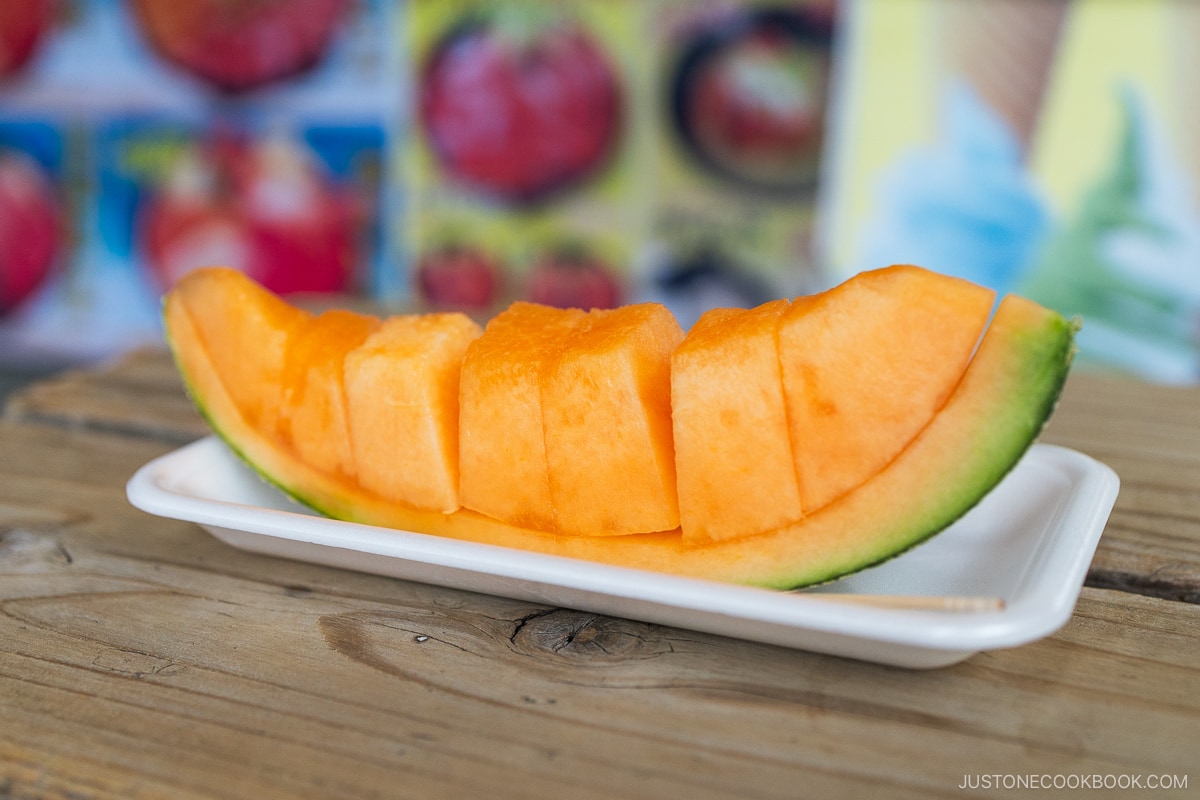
[159, 136]
[523, 168]
[595, 152]
[1046, 147]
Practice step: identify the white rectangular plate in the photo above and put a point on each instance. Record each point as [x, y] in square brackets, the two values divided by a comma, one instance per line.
[1029, 542]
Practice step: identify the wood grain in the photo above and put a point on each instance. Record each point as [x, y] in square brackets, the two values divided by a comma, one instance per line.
[139, 657]
[1150, 435]
[142, 658]
[140, 394]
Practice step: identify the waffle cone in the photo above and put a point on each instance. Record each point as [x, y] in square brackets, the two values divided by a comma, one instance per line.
[1005, 49]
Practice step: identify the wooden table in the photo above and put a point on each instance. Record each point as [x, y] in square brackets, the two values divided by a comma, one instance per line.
[140, 657]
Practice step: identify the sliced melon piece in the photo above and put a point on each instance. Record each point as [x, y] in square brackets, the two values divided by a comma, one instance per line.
[503, 471]
[867, 364]
[733, 456]
[606, 404]
[996, 412]
[402, 407]
[206, 376]
[248, 335]
[313, 413]
[979, 434]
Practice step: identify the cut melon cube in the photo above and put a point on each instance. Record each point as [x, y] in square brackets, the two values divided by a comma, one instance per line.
[733, 456]
[313, 415]
[503, 471]
[866, 366]
[402, 404]
[606, 404]
[231, 310]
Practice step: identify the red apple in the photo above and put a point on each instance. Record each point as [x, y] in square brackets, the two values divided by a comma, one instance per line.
[238, 45]
[458, 277]
[571, 279]
[29, 228]
[520, 104]
[265, 209]
[23, 26]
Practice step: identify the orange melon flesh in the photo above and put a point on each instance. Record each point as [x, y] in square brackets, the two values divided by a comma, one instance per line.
[866, 366]
[503, 468]
[402, 406]
[606, 404]
[733, 456]
[313, 414]
[248, 333]
[995, 413]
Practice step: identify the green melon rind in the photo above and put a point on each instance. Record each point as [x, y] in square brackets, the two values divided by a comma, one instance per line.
[206, 390]
[1006, 397]
[1040, 359]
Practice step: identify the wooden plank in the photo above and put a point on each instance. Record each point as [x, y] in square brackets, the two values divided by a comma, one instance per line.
[141, 655]
[139, 394]
[1150, 435]
[251, 685]
[256, 693]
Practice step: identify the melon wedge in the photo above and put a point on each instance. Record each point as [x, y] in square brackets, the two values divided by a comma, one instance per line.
[248, 332]
[606, 405]
[867, 364]
[503, 468]
[313, 417]
[995, 412]
[732, 449]
[565, 420]
[402, 387]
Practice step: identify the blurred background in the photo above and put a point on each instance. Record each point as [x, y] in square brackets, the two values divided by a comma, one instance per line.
[463, 154]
